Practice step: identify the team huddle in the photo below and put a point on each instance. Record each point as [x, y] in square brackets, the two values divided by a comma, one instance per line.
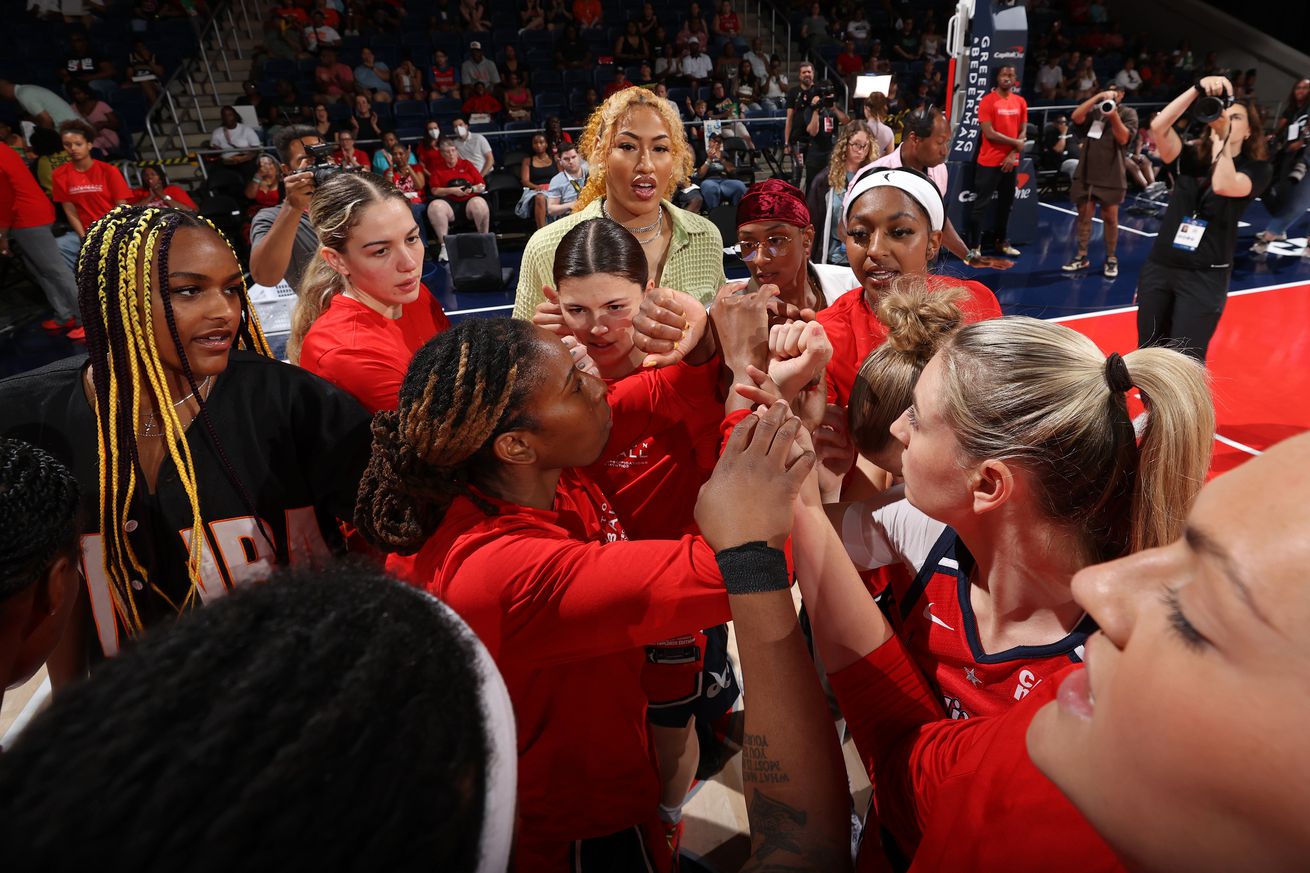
[437, 596]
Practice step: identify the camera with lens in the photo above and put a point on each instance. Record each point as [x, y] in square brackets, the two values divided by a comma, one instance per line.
[1106, 106]
[827, 93]
[322, 167]
[1208, 107]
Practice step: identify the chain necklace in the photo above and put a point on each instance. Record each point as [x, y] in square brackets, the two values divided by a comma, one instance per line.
[151, 429]
[657, 225]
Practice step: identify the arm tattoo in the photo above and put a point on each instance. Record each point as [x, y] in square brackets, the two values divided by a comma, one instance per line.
[776, 824]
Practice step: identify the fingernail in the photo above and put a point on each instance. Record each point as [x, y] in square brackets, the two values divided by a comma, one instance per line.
[649, 362]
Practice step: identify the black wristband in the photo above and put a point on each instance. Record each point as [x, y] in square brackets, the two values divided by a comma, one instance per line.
[1199, 90]
[753, 568]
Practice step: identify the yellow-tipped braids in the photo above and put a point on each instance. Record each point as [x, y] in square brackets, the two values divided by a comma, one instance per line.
[114, 287]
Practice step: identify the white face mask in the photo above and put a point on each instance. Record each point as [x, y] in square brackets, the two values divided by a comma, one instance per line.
[434, 133]
[461, 131]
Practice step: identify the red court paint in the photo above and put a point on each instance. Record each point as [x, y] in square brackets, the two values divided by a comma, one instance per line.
[1259, 366]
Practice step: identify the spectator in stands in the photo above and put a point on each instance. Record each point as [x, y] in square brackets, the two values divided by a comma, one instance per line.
[85, 188]
[443, 77]
[619, 82]
[567, 184]
[472, 147]
[456, 186]
[758, 59]
[286, 107]
[477, 68]
[908, 44]
[282, 239]
[858, 28]
[48, 147]
[1128, 79]
[932, 46]
[631, 47]
[1050, 79]
[96, 113]
[374, 76]
[532, 17]
[774, 97]
[27, 218]
[648, 23]
[144, 70]
[588, 14]
[852, 151]
[535, 174]
[726, 27]
[513, 64]
[715, 176]
[849, 63]
[693, 28]
[83, 65]
[331, 17]
[364, 121]
[571, 52]
[407, 79]
[556, 136]
[347, 156]
[44, 107]
[236, 141]
[646, 76]
[155, 190]
[251, 97]
[519, 101]
[283, 34]
[668, 66]
[1058, 146]
[696, 66]
[323, 123]
[331, 77]
[748, 90]
[318, 34]
[480, 102]
[590, 102]
[382, 155]
[1070, 64]
[407, 175]
[1084, 81]
[386, 16]
[265, 188]
[473, 17]
[814, 27]
[558, 16]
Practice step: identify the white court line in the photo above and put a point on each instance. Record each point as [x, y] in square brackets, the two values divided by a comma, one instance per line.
[483, 309]
[1226, 441]
[1081, 315]
[1122, 226]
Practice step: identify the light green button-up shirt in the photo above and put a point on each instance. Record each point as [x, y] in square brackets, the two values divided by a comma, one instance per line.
[694, 263]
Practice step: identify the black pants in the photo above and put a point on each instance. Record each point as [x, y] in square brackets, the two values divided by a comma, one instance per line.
[816, 164]
[622, 852]
[988, 181]
[1180, 308]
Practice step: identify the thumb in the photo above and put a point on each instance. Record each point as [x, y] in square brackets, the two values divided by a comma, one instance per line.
[550, 293]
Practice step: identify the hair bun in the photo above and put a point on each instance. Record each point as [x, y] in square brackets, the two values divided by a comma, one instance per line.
[918, 316]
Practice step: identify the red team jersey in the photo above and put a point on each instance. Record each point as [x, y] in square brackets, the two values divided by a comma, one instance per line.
[1009, 116]
[965, 793]
[854, 330]
[565, 604]
[937, 623]
[365, 353]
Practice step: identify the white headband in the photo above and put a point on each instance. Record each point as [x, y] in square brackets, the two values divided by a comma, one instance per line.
[501, 782]
[923, 191]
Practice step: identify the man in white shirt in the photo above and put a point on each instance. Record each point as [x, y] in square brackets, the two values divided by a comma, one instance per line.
[477, 68]
[1129, 79]
[696, 65]
[759, 59]
[473, 147]
[43, 106]
[1050, 78]
[232, 135]
[567, 183]
[319, 34]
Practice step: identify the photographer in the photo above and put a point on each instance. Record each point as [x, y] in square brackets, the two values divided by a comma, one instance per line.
[1291, 136]
[1183, 286]
[822, 120]
[1104, 127]
[282, 240]
[455, 186]
[793, 133]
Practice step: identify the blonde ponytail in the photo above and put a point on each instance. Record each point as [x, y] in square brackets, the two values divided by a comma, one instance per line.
[1174, 448]
[318, 286]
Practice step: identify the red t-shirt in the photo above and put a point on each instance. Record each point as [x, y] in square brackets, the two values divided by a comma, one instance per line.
[655, 479]
[446, 78]
[935, 618]
[93, 193]
[1009, 116]
[849, 64]
[441, 176]
[965, 793]
[22, 202]
[484, 103]
[854, 329]
[361, 159]
[365, 353]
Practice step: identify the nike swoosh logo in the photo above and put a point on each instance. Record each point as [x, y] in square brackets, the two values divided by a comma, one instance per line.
[927, 613]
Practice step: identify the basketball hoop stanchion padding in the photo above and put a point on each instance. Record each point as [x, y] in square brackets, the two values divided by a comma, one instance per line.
[983, 37]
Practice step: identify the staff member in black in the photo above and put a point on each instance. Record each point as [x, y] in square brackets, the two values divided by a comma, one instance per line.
[793, 134]
[1183, 286]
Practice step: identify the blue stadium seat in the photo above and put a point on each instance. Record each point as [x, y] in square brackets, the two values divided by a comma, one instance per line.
[410, 111]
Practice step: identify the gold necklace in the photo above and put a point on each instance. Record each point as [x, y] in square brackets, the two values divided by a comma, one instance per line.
[151, 429]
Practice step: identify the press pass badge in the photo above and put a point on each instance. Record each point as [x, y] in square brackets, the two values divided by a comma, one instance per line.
[1094, 132]
[1189, 234]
